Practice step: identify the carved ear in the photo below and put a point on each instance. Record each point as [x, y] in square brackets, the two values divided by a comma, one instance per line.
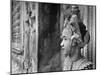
[74, 42]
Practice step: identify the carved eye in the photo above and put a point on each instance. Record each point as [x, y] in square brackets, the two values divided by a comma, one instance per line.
[65, 39]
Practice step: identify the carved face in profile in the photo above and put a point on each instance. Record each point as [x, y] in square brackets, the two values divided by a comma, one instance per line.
[66, 40]
[69, 40]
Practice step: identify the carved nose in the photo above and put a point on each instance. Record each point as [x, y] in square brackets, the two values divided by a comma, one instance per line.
[62, 44]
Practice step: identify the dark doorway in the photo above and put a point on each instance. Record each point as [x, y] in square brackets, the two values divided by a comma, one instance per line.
[49, 33]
